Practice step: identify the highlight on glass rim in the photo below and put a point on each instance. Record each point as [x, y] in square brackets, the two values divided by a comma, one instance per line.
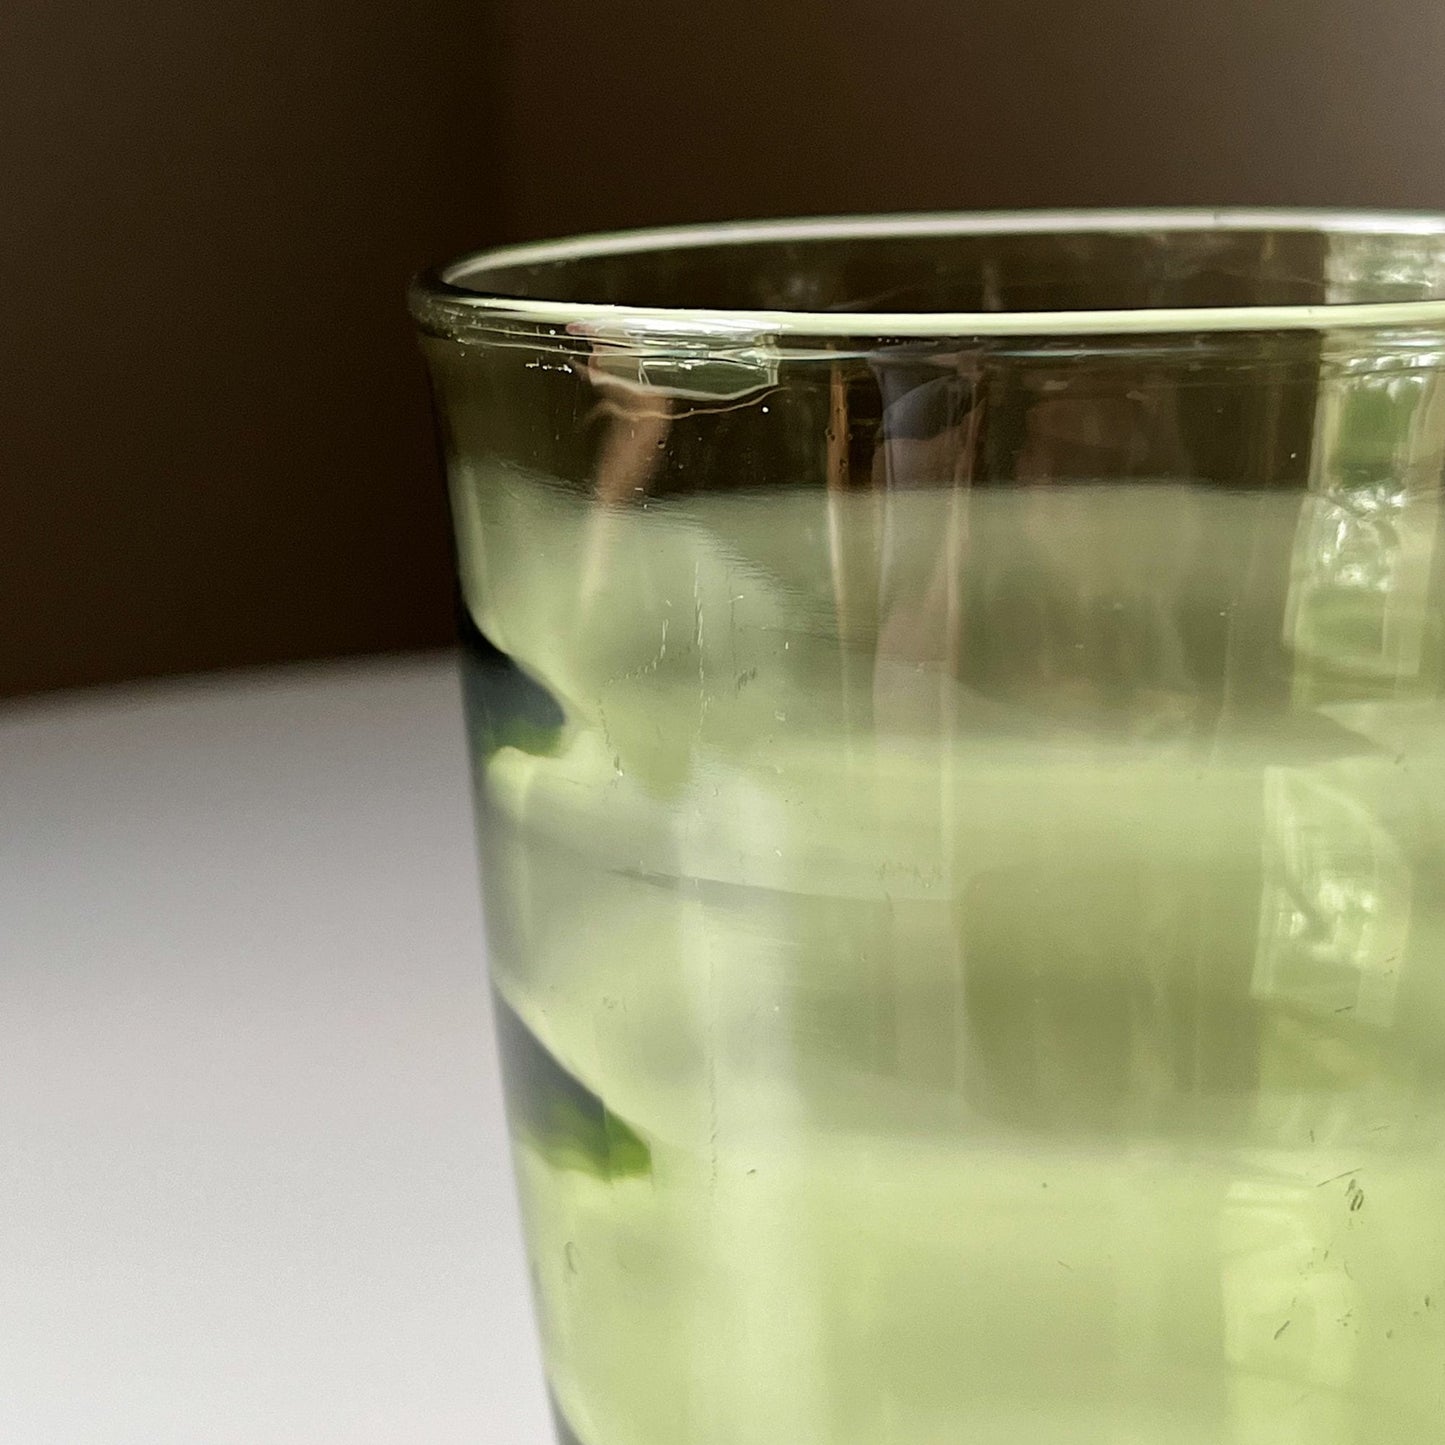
[957, 731]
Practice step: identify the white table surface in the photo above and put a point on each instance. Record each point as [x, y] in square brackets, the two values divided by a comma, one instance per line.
[253, 1173]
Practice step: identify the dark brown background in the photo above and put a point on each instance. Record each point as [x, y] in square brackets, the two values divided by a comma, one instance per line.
[214, 447]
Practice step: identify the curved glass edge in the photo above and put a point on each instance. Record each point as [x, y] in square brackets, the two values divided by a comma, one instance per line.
[442, 306]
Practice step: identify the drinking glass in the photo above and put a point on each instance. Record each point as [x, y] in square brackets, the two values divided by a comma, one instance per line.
[957, 729]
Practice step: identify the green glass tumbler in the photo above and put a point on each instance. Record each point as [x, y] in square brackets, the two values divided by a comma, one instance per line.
[957, 708]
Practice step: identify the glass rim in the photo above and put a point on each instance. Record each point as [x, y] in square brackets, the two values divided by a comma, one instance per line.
[445, 298]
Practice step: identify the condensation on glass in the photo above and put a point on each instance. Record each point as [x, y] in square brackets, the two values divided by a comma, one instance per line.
[956, 708]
